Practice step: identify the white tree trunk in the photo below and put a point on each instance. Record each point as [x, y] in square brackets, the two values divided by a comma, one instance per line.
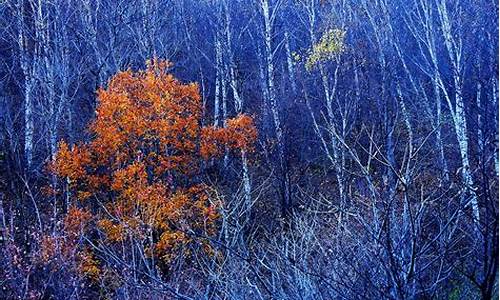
[494, 100]
[454, 50]
[289, 63]
[218, 70]
[269, 16]
[268, 52]
[238, 103]
[27, 67]
[335, 151]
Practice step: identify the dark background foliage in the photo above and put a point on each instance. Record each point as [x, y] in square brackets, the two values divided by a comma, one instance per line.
[375, 175]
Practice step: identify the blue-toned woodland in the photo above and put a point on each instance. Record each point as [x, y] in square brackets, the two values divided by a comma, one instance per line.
[329, 149]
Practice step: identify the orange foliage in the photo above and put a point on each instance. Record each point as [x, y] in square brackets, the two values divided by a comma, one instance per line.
[75, 221]
[147, 148]
[88, 265]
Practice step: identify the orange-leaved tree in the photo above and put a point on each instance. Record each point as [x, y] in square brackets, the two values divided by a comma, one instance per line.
[138, 176]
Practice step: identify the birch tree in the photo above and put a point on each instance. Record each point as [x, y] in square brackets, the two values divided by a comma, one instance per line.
[269, 15]
[425, 24]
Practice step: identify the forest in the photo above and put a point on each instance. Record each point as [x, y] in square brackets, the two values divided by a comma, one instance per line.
[249, 149]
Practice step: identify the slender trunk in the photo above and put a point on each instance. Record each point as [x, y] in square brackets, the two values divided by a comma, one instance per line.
[439, 139]
[494, 96]
[329, 92]
[29, 81]
[270, 75]
[265, 93]
[480, 135]
[218, 70]
[336, 149]
[289, 63]
[238, 103]
[29, 123]
[247, 186]
[436, 123]
[454, 50]
[224, 107]
[3, 228]
[147, 32]
[268, 51]
[89, 19]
